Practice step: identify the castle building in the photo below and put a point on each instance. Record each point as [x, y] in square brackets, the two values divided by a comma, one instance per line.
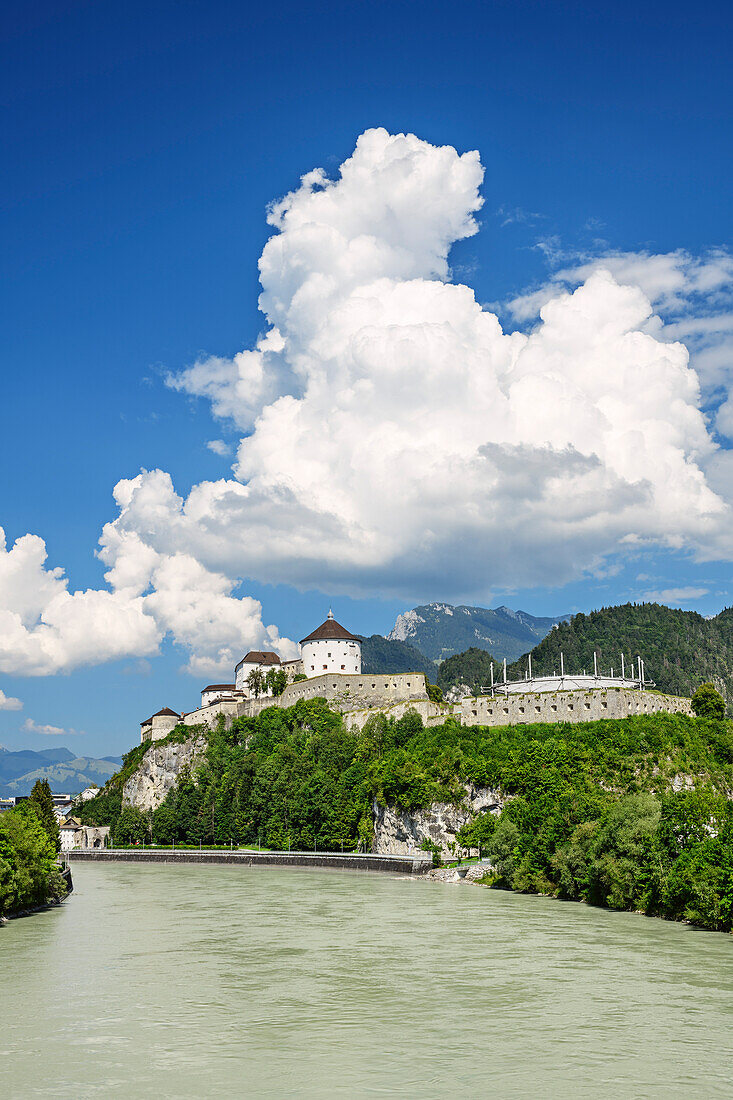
[159, 724]
[330, 648]
[214, 692]
[256, 659]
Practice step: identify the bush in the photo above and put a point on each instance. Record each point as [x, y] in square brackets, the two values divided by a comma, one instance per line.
[708, 703]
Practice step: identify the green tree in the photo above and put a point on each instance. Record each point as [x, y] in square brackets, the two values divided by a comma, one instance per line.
[132, 826]
[42, 799]
[478, 832]
[435, 695]
[256, 682]
[707, 702]
[502, 849]
[276, 680]
[29, 871]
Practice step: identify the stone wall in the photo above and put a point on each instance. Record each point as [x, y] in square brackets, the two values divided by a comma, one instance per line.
[358, 692]
[417, 864]
[358, 697]
[567, 706]
[230, 708]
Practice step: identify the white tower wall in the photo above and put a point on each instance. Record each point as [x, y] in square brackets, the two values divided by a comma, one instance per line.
[331, 655]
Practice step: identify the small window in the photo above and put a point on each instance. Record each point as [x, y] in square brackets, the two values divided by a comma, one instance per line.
[343, 666]
[538, 709]
[605, 706]
[325, 666]
[329, 655]
[506, 710]
[553, 707]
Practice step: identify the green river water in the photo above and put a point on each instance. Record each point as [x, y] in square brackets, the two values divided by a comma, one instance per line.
[157, 981]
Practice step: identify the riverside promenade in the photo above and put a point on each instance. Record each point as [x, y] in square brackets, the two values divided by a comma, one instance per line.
[417, 864]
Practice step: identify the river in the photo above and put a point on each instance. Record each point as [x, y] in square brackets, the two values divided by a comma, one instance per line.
[213, 981]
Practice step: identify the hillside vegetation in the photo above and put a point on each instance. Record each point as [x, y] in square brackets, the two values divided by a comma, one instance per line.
[633, 814]
[380, 655]
[681, 648]
[63, 770]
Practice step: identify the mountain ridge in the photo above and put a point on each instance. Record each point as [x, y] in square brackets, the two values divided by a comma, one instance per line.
[440, 630]
[66, 773]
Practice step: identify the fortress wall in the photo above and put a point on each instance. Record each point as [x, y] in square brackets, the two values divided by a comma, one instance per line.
[567, 706]
[429, 712]
[209, 715]
[349, 693]
[358, 697]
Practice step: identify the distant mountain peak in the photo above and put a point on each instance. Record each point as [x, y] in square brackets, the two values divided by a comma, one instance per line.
[439, 630]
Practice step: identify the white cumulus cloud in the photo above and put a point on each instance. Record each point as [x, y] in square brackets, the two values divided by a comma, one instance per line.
[395, 439]
[48, 731]
[8, 702]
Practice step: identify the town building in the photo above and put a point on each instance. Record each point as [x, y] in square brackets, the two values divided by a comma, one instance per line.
[75, 835]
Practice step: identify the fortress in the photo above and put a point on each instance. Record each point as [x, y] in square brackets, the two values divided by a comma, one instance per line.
[330, 668]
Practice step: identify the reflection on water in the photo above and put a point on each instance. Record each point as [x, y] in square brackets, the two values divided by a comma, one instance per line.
[228, 981]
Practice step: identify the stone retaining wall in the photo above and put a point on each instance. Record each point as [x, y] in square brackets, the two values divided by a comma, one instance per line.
[418, 864]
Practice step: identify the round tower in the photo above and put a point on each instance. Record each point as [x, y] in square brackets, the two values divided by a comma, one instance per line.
[331, 648]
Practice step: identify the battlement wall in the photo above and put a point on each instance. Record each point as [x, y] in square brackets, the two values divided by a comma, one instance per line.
[567, 706]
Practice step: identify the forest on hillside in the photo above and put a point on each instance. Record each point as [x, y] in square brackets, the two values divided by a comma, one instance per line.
[681, 649]
[592, 811]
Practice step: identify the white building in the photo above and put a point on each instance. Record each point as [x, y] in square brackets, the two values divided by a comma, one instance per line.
[256, 659]
[331, 648]
[75, 835]
[216, 692]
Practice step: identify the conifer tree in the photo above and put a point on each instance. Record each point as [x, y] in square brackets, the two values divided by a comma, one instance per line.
[42, 801]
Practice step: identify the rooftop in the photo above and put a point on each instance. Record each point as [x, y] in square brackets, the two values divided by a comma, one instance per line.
[260, 657]
[328, 630]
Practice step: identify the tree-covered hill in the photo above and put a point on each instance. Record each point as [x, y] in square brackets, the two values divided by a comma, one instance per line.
[380, 655]
[592, 811]
[681, 649]
[472, 668]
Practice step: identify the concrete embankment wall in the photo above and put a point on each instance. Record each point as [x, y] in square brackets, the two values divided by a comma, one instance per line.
[392, 864]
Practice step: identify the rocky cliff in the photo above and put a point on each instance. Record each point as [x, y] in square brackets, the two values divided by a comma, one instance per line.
[159, 771]
[401, 832]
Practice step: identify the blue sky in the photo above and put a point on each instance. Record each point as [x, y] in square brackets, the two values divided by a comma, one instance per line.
[142, 145]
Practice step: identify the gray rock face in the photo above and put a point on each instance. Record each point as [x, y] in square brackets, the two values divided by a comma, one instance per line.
[401, 832]
[159, 772]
